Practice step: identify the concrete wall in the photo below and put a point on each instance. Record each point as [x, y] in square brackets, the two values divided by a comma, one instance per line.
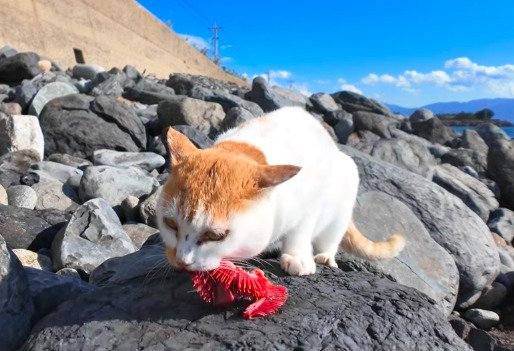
[109, 32]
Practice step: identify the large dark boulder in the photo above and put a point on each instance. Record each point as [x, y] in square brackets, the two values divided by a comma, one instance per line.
[79, 124]
[227, 100]
[378, 124]
[268, 98]
[23, 228]
[500, 160]
[434, 131]
[331, 309]
[448, 220]
[353, 102]
[15, 303]
[148, 92]
[16, 68]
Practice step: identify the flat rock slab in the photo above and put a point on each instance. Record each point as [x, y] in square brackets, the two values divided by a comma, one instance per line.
[328, 310]
[49, 92]
[145, 160]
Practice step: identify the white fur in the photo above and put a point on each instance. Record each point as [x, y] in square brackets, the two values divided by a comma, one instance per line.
[307, 214]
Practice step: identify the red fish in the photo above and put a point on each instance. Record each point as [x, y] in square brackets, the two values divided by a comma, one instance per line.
[228, 283]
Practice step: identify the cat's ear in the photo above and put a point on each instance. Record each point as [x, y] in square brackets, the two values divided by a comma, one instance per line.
[268, 176]
[178, 145]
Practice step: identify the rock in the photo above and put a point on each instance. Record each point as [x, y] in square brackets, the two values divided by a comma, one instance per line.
[187, 84]
[148, 208]
[7, 51]
[22, 196]
[423, 264]
[68, 272]
[198, 138]
[49, 92]
[324, 103]
[421, 115]
[500, 160]
[48, 290]
[16, 308]
[139, 233]
[436, 150]
[448, 220]
[234, 117]
[113, 86]
[130, 208]
[331, 309]
[114, 184]
[334, 117]
[30, 229]
[93, 227]
[204, 116]
[267, 98]
[148, 92]
[227, 100]
[132, 73]
[482, 318]
[24, 93]
[501, 221]
[353, 102]
[59, 171]
[4, 200]
[373, 122]
[144, 160]
[44, 66]
[16, 68]
[434, 131]
[478, 339]
[32, 259]
[471, 191]
[53, 194]
[86, 71]
[491, 134]
[491, 296]
[344, 127]
[363, 140]
[296, 98]
[10, 108]
[466, 157]
[471, 140]
[77, 125]
[18, 132]
[14, 165]
[68, 160]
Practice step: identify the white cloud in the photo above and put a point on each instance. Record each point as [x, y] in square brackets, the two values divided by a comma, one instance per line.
[303, 89]
[197, 42]
[350, 87]
[280, 74]
[460, 74]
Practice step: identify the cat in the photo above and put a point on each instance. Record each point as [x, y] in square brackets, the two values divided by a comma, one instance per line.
[277, 180]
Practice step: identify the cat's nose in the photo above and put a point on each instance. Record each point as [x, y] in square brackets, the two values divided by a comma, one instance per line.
[183, 264]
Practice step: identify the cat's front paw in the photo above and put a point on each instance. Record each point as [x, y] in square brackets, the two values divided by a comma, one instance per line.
[297, 265]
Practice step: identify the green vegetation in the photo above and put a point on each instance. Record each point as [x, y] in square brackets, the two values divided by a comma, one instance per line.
[482, 115]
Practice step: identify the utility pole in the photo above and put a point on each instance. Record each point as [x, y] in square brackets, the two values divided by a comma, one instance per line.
[269, 78]
[215, 53]
[291, 83]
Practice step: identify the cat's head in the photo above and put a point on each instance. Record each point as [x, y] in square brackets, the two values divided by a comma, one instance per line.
[210, 205]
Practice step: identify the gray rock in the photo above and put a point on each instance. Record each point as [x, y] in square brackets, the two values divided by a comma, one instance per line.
[500, 161]
[24, 93]
[466, 157]
[187, 84]
[7, 51]
[363, 140]
[139, 233]
[132, 72]
[30, 229]
[477, 338]
[421, 115]
[130, 208]
[48, 290]
[448, 220]
[74, 182]
[114, 184]
[59, 171]
[148, 92]
[19, 132]
[434, 131]
[227, 100]
[144, 160]
[148, 208]
[53, 194]
[16, 308]
[296, 98]
[423, 264]
[234, 117]
[198, 138]
[492, 296]
[22, 196]
[482, 318]
[471, 191]
[4, 200]
[16, 68]
[14, 165]
[49, 92]
[204, 116]
[353, 102]
[76, 125]
[10, 108]
[113, 86]
[334, 117]
[491, 134]
[267, 98]
[93, 227]
[331, 309]
[68, 272]
[436, 150]
[68, 160]
[344, 127]
[471, 140]
[501, 222]
[324, 103]
[378, 124]
[86, 71]
[84, 86]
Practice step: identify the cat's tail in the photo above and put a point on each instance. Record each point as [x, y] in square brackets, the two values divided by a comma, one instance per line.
[355, 243]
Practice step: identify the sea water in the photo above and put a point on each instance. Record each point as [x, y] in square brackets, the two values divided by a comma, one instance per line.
[508, 130]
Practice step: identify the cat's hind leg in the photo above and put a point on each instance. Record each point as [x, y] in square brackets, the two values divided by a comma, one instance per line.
[326, 244]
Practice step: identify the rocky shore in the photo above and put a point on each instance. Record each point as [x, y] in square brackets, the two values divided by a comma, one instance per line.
[82, 266]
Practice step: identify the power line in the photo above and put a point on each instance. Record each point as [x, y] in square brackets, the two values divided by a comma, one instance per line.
[215, 52]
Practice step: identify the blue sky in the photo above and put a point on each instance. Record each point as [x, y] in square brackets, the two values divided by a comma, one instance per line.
[409, 53]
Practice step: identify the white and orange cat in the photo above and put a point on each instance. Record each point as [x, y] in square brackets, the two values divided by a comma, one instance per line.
[278, 180]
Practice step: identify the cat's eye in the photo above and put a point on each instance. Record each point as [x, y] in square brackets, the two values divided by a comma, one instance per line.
[170, 223]
[210, 235]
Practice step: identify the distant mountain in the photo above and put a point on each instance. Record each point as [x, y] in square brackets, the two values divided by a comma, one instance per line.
[503, 108]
